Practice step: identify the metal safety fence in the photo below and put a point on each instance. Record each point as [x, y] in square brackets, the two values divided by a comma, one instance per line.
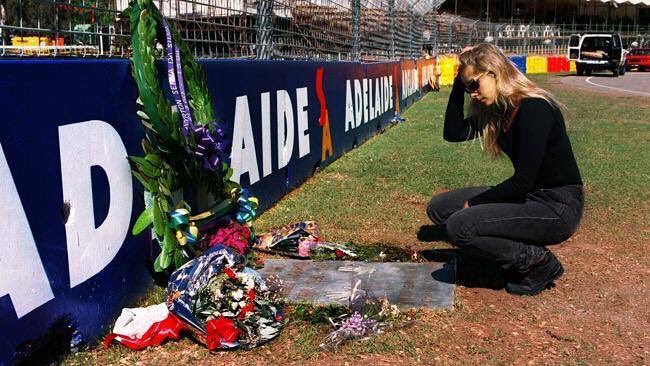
[364, 30]
[455, 32]
[262, 29]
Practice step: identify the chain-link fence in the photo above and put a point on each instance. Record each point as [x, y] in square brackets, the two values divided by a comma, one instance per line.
[275, 29]
[262, 29]
[455, 32]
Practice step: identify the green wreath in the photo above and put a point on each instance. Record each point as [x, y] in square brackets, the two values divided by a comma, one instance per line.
[174, 156]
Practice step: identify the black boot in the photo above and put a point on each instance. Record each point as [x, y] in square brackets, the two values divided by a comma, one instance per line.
[538, 276]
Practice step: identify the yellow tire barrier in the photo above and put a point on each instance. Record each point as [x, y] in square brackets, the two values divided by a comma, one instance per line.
[536, 65]
[448, 66]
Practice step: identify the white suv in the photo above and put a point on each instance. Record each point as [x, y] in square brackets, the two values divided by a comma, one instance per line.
[597, 52]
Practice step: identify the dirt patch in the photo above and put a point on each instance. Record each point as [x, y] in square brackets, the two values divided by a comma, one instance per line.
[597, 314]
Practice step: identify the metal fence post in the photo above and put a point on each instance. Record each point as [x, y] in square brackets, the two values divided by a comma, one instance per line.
[391, 25]
[409, 9]
[356, 30]
[434, 34]
[451, 36]
[264, 25]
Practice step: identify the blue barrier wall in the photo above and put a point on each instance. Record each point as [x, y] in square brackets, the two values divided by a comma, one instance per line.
[69, 201]
[520, 62]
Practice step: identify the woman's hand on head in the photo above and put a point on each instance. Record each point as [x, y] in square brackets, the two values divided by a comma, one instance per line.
[465, 205]
[468, 48]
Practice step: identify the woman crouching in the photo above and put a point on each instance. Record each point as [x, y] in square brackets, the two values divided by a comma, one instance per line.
[541, 203]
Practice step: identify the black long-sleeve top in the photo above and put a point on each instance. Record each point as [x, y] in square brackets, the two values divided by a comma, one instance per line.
[536, 142]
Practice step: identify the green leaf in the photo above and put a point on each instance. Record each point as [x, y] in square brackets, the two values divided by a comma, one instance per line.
[142, 179]
[143, 221]
[179, 258]
[143, 115]
[147, 147]
[157, 265]
[154, 159]
[145, 166]
[164, 190]
[229, 173]
[158, 219]
[163, 262]
[169, 243]
[146, 183]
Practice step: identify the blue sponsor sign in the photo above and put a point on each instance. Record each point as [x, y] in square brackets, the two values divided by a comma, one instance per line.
[67, 198]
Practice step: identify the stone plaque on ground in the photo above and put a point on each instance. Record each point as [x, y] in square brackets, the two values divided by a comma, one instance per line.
[408, 285]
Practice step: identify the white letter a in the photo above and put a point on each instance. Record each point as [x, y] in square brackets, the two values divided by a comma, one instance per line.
[22, 275]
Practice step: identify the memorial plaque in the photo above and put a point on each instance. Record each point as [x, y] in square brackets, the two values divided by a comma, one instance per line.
[408, 285]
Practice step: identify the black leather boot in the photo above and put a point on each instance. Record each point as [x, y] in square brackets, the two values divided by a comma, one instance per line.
[538, 275]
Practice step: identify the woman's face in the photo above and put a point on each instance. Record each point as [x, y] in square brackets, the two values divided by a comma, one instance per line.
[480, 86]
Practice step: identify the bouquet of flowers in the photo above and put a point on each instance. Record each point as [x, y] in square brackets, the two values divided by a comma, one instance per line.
[301, 240]
[223, 303]
[366, 317]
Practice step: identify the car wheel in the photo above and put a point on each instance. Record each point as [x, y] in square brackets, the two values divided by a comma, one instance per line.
[579, 70]
[588, 72]
[642, 69]
[615, 72]
[622, 71]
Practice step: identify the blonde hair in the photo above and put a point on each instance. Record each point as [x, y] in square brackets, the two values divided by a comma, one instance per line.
[512, 86]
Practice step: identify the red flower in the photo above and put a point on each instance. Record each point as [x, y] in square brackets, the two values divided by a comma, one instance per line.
[250, 305]
[220, 329]
[339, 254]
[229, 272]
[234, 235]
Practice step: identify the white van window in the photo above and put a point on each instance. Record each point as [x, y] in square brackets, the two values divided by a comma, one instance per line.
[596, 43]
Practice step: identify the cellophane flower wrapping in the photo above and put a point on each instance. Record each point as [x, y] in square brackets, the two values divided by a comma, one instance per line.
[225, 304]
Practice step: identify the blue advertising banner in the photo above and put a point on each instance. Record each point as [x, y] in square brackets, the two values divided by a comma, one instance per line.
[67, 196]
[67, 199]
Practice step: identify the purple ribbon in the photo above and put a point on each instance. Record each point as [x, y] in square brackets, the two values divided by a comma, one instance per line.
[211, 145]
[176, 81]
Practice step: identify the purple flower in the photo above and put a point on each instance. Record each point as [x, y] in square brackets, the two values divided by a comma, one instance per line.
[356, 326]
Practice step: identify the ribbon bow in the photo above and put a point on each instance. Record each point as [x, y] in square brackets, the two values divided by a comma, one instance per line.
[211, 145]
[247, 205]
[220, 329]
[186, 231]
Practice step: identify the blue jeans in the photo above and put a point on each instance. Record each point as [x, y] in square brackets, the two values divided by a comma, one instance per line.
[511, 234]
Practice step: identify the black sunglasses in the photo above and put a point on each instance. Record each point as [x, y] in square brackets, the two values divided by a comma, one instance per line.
[473, 85]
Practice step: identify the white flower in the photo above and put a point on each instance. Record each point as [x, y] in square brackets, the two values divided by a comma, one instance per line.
[242, 303]
[234, 305]
[250, 283]
[238, 295]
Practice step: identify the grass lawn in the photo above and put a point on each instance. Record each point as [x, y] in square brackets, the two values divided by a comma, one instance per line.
[597, 314]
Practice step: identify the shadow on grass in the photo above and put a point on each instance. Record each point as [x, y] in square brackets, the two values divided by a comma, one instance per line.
[471, 271]
[429, 233]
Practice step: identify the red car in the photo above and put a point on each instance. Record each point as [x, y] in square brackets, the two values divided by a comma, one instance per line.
[639, 58]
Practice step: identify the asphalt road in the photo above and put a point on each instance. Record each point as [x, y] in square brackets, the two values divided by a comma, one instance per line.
[633, 83]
